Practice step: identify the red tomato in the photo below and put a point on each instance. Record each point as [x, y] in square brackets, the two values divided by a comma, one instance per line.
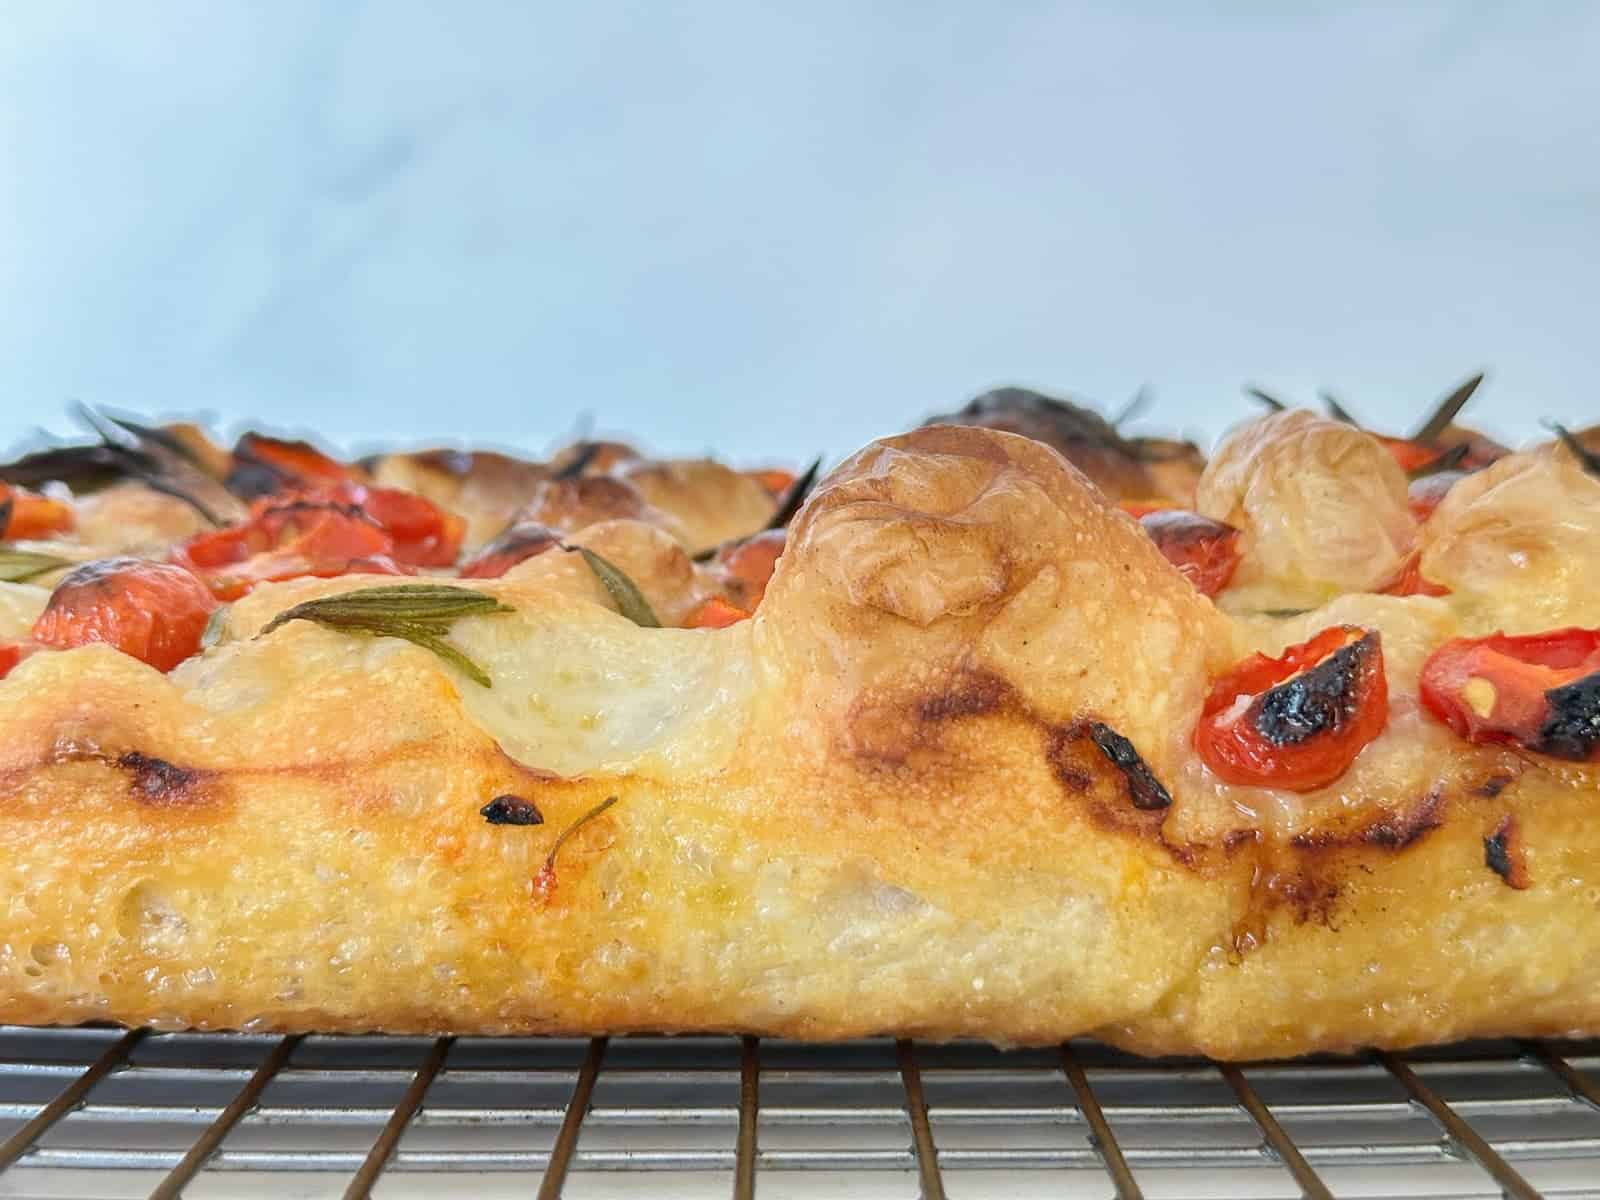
[775, 479]
[715, 613]
[1206, 552]
[153, 611]
[424, 534]
[10, 655]
[1539, 691]
[1296, 721]
[25, 514]
[747, 566]
[292, 463]
[520, 542]
[1410, 455]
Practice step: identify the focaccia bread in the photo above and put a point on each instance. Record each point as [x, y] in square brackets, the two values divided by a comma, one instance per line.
[943, 783]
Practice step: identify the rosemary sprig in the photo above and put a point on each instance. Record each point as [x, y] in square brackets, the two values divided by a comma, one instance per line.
[421, 614]
[629, 599]
[1447, 410]
[1136, 404]
[19, 566]
[1448, 461]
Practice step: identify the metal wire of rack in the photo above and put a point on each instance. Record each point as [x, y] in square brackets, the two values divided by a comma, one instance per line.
[95, 1112]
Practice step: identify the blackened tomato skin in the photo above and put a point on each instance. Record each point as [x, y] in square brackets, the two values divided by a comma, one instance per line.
[155, 612]
[1296, 721]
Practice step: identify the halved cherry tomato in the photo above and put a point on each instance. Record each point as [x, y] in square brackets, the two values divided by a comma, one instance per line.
[153, 611]
[424, 535]
[1538, 691]
[1296, 721]
[747, 566]
[288, 540]
[25, 514]
[1408, 580]
[522, 541]
[715, 613]
[1425, 494]
[1206, 552]
[265, 466]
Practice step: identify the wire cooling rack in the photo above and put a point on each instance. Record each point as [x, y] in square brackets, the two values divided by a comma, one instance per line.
[93, 1112]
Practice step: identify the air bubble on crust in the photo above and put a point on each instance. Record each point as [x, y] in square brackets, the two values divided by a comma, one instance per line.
[147, 915]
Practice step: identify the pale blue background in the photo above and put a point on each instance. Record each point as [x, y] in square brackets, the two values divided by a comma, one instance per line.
[785, 228]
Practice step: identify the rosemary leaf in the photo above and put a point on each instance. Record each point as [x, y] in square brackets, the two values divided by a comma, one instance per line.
[1336, 410]
[1265, 398]
[19, 566]
[212, 633]
[788, 506]
[1447, 410]
[544, 883]
[629, 599]
[421, 614]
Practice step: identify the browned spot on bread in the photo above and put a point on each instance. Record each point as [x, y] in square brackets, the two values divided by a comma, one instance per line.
[155, 781]
[1505, 855]
[1492, 786]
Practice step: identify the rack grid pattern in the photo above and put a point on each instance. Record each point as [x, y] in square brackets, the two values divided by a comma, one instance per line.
[102, 1112]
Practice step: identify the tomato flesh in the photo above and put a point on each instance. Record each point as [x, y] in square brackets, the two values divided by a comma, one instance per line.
[25, 514]
[715, 613]
[524, 540]
[154, 611]
[1538, 691]
[1299, 720]
[747, 566]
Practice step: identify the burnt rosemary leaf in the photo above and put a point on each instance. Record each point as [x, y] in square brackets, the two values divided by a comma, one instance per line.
[421, 614]
[1265, 398]
[575, 466]
[561, 839]
[1447, 410]
[1587, 458]
[1336, 410]
[1448, 461]
[629, 599]
[19, 566]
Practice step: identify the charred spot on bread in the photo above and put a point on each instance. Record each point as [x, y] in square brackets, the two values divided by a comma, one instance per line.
[157, 781]
[1504, 855]
[1145, 790]
[1572, 730]
[511, 810]
[1314, 701]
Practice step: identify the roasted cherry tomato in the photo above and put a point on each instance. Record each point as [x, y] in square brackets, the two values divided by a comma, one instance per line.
[25, 514]
[1408, 580]
[1539, 691]
[424, 535]
[775, 479]
[522, 541]
[1299, 720]
[153, 611]
[1206, 552]
[715, 613]
[265, 465]
[747, 566]
[11, 653]
[288, 540]
[1408, 454]
[1425, 494]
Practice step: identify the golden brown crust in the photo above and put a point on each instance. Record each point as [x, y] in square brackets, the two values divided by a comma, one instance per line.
[884, 804]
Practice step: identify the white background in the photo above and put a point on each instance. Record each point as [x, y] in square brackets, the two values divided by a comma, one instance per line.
[782, 229]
